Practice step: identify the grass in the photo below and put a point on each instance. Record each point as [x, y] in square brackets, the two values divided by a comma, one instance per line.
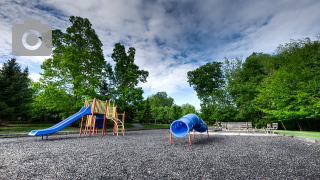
[308, 134]
[25, 127]
[156, 126]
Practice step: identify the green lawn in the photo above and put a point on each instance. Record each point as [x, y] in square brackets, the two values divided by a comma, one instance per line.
[25, 127]
[156, 126]
[308, 134]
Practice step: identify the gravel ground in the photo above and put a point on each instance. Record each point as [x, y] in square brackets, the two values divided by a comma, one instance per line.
[148, 155]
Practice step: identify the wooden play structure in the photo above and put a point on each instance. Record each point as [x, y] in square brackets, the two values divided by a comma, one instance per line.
[102, 111]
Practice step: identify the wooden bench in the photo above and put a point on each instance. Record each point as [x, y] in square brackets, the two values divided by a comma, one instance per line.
[237, 126]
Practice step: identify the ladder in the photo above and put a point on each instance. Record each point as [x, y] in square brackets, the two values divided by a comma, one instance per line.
[119, 123]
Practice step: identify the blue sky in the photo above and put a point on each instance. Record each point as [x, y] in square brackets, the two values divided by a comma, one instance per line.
[171, 37]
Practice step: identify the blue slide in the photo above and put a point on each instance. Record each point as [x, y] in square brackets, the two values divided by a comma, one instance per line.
[83, 111]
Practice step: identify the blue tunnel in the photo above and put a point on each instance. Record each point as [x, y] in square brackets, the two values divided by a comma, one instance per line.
[182, 126]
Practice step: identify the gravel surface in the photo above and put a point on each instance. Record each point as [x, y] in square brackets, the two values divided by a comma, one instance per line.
[148, 155]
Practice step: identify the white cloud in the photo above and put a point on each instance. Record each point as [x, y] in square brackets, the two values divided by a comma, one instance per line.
[34, 77]
[171, 37]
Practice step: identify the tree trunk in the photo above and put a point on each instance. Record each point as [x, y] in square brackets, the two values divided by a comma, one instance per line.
[283, 126]
[299, 125]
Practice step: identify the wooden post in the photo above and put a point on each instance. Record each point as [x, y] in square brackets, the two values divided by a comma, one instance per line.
[104, 128]
[94, 102]
[193, 134]
[85, 103]
[123, 119]
[207, 130]
[189, 139]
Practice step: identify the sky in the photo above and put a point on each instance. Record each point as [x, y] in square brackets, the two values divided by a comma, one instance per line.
[171, 37]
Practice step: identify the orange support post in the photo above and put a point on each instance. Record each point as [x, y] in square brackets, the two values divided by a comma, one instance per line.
[193, 134]
[207, 130]
[189, 139]
[85, 103]
[86, 128]
[114, 125]
[104, 128]
[123, 118]
[94, 102]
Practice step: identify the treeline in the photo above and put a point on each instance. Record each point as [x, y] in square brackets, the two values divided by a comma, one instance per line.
[160, 108]
[263, 88]
[281, 87]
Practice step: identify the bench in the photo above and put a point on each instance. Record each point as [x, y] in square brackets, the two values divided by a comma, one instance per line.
[236, 126]
[271, 128]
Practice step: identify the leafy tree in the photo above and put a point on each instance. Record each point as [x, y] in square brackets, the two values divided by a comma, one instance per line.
[155, 113]
[125, 80]
[188, 108]
[15, 91]
[77, 66]
[51, 102]
[208, 81]
[291, 91]
[175, 112]
[161, 99]
[243, 80]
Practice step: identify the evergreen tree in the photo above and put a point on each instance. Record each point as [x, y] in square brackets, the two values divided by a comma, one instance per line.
[15, 92]
[147, 116]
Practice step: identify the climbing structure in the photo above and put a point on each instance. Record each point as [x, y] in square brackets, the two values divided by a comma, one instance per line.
[101, 113]
[117, 118]
[187, 123]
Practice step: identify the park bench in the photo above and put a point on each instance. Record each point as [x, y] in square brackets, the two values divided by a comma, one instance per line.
[274, 127]
[268, 128]
[227, 126]
[224, 126]
[249, 126]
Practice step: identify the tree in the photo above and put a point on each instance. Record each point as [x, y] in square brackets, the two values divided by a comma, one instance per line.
[175, 112]
[15, 91]
[187, 108]
[291, 91]
[161, 99]
[77, 66]
[208, 81]
[147, 116]
[243, 80]
[125, 80]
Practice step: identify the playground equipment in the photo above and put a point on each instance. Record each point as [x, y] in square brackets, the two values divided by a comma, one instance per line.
[83, 111]
[187, 123]
[97, 113]
[102, 112]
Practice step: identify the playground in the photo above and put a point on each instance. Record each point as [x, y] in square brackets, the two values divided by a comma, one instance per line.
[153, 154]
[147, 154]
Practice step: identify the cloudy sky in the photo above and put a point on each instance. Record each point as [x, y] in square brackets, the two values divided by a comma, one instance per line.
[171, 37]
